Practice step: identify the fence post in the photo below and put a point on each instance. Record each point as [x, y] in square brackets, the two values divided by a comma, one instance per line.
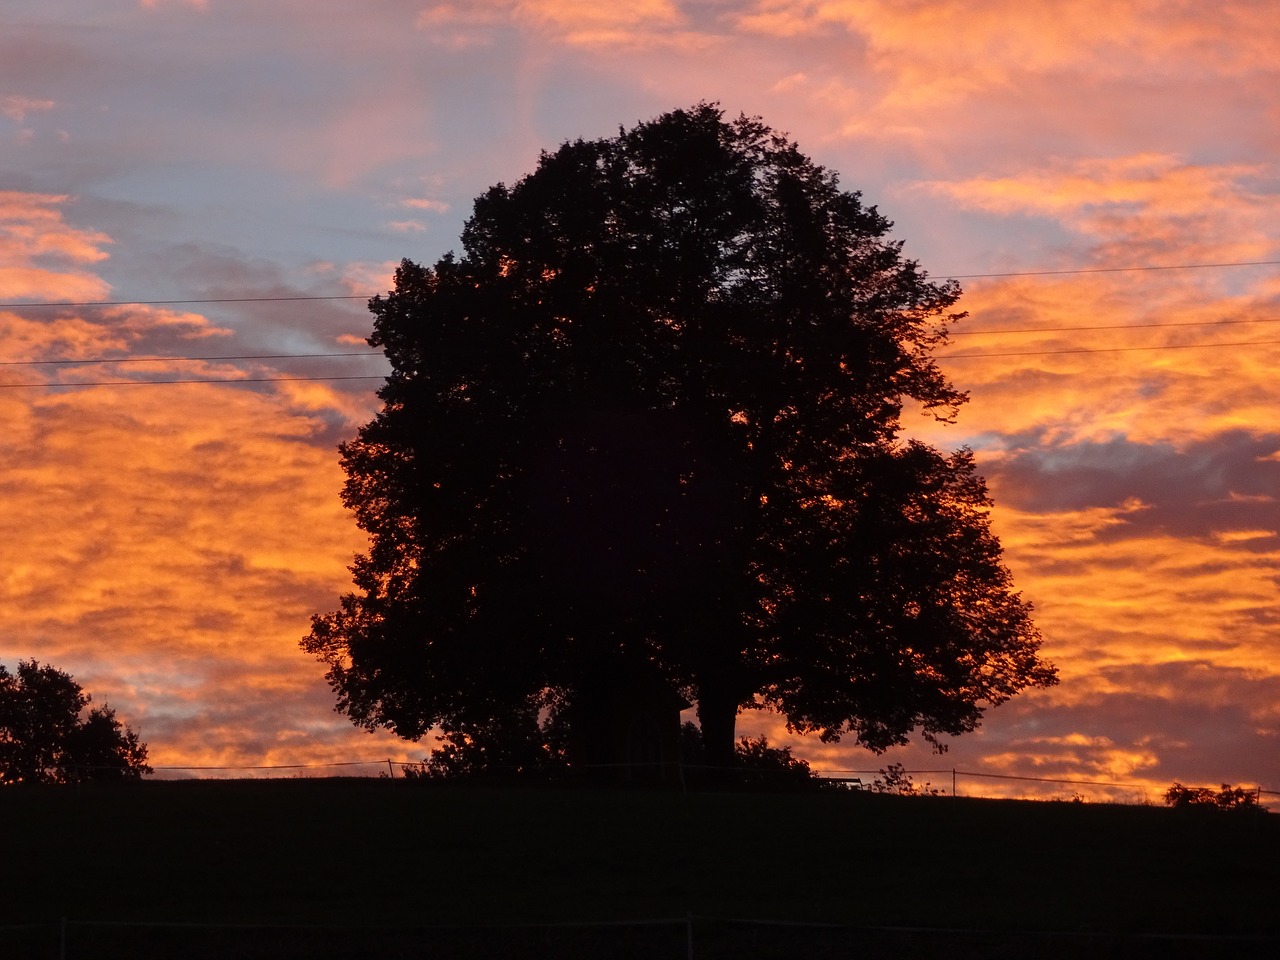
[391, 771]
[953, 781]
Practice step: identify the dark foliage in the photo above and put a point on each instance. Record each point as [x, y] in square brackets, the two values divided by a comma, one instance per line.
[513, 747]
[47, 737]
[520, 756]
[774, 766]
[648, 425]
[1200, 798]
[895, 780]
[757, 763]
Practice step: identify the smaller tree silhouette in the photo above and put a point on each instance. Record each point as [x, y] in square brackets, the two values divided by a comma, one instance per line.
[1228, 798]
[46, 736]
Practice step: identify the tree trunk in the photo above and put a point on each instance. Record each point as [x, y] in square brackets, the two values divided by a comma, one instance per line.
[717, 715]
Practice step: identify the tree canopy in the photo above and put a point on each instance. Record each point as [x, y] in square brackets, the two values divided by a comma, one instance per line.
[649, 423]
[47, 737]
[1228, 798]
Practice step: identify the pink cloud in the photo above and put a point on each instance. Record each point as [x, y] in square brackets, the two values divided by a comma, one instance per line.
[427, 204]
[16, 107]
[155, 4]
[576, 22]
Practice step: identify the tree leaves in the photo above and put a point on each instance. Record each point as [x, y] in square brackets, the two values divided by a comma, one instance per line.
[649, 421]
[45, 736]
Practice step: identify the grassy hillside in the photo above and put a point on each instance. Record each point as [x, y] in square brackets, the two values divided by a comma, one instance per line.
[373, 852]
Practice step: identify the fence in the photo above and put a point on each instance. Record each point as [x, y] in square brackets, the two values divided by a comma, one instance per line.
[1111, 791]
[682, 938]
[969, 783]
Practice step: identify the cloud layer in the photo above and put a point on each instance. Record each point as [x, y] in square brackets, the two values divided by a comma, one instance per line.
[167, 544]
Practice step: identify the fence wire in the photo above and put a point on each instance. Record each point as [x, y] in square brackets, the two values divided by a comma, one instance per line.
[691, 937]
[685, 773]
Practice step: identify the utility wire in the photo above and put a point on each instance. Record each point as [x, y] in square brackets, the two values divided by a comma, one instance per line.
[1076, 271]
[1051, 353]
[84, 361]
[1108, 326]
[171, 303]
[169, 383]
[943, 356]
[253, 356]
[71, 361]
[157, 383]
[954, 333]
[1082, 270]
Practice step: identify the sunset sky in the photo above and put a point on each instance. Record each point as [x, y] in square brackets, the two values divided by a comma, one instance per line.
[1102, 177]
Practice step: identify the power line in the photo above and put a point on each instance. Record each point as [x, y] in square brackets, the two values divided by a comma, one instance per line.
[172, 303]
[252, 356]
[1075, 271]
[157, 383]
[1084, 270]
[71, 361]
[1051, 353]
[953, 333]
[84, 361]
[1109, 326]
[170, 383]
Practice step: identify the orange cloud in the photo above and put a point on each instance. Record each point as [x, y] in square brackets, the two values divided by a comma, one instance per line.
[1140, 210]
[1110, 590]
[41, 256]
[167, 544]
[1130, 486]
[1087, 356]
[946, 76]
[957, 47]
[151, 532]
[1126, 421]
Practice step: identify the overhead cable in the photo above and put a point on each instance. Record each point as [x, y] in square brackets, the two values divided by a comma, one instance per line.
[72, 361]
[1082, 270]
[170, 383]
[1051, 353]
[1108, 326]
[17, 305]
[1073, 271]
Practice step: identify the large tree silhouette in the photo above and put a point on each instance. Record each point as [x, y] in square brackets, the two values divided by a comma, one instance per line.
[47, 737]
[648, 424]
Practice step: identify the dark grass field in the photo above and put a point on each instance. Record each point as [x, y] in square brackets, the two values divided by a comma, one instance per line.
[382, 868]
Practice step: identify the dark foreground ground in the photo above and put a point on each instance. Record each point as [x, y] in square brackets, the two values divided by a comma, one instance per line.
[351, 868]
